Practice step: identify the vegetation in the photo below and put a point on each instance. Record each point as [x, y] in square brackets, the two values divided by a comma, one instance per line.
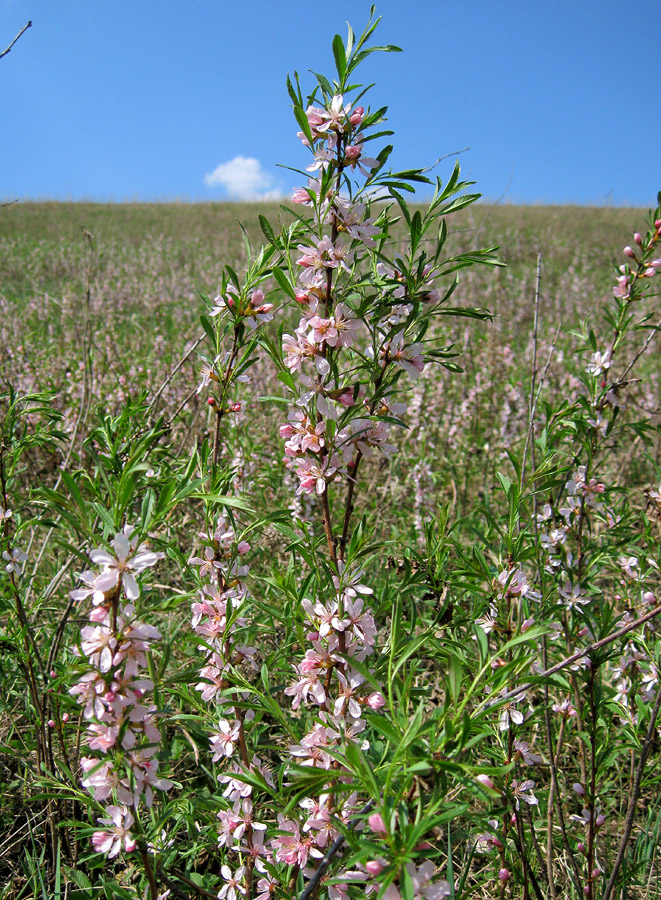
[330, 539]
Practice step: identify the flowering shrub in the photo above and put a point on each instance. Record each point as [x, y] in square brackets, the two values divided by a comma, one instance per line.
[277, 699]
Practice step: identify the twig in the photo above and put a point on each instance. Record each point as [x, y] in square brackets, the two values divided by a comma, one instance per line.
[597, 645]
[181, 406]
[554, 791]
[86, 397]
[326, 861]
[633, 799]
[633, 362]
[532, 403]
[23, 29]
[174, 371]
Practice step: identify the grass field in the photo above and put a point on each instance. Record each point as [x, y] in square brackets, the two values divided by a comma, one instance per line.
[100, 317]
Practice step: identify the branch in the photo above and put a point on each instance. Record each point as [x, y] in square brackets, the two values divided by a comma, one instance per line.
[597, 645]
[633, 799]
[24, 28]
[328, 858]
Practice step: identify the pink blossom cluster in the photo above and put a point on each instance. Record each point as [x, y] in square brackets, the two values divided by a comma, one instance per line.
[217, 618]
[335, 422]
[114, 694]
[645, 267]
[336, 136]
[582, 497]
[216, 614]
[251, 310]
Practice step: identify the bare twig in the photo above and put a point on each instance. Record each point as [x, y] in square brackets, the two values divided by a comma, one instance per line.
[23, 29]
[597, 645]
[174, 371]
[322, 868]
[532, 405]
[181, 406]
[633, 799]
[646, 344]
[86, 398]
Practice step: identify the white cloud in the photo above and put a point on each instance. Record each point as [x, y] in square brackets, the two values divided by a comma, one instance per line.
[244, 179]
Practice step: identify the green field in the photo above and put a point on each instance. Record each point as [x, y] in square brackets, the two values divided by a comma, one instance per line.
[100, 311]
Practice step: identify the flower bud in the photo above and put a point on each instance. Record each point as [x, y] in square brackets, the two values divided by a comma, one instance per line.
[596, 873]
[376, 823]
[51, 723]
[235, 407]
[65, 717]
[578, 789]
[504, 875]
[300, 195]
[628, 251]
[485, 781]
[649, 597]
[356, 116]
[580, 847]
[353, 152]
[599, 821]
[586, 890]
[374, 867]
[656, 263]
[376, 700]
[638, 239]
[53, 673]
[513, 819]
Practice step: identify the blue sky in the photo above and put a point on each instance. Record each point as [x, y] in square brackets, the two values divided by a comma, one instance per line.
[144, 99]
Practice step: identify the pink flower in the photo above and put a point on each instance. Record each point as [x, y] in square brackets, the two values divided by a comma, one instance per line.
[232, 887]
[376, 823]
[267, 887]
[357, 116]
[346, 701]
[110, 842]
[524, 792]
[130, 560]
[314, 476]
[225, 739]
[14, 560]
[290, 847]
[408, 358]
[623, 289]
[423, 887]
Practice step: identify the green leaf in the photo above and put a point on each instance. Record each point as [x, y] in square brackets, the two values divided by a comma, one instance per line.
[209, 330]
[267, 231]
[406, 884]
[221, 500]
[302, 120]
[284, 283]
[340, 58]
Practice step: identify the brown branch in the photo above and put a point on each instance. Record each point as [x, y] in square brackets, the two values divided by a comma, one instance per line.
[633, 799]
[597, 645]
[23, 29]
[322, 868]
[173, 372]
